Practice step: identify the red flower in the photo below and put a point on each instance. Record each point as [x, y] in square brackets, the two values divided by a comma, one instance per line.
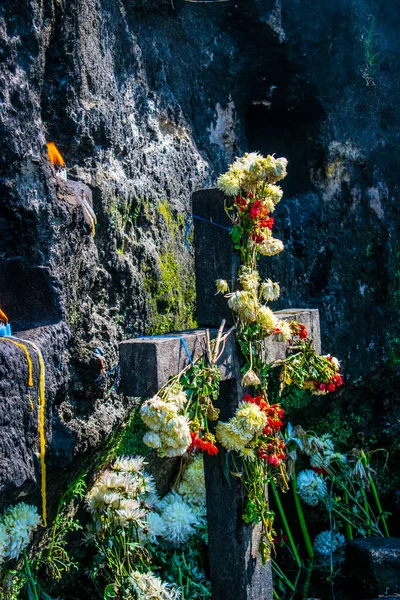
[331, 387]
[303, 331]
[322, 387]
[257, 238]
[270, 223]
[267, 430]
[248, 398]
[250, 195]
[320, 471]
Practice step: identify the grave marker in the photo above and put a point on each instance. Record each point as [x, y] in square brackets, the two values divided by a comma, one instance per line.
[146, 364]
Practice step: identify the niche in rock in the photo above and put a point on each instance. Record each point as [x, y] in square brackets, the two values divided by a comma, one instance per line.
[288, 123]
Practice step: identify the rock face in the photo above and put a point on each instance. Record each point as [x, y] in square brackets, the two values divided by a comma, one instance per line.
[373, 566]
[149, 100]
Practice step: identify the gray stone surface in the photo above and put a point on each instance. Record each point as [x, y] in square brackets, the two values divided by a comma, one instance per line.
[373, 567]
[146, 364]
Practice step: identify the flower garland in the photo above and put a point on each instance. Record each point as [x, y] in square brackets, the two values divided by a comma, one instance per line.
[178, 416]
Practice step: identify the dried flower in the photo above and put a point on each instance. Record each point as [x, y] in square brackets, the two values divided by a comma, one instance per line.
[222, 286]
[245, 305]
[266, 319]
[249, 279]
[283, 331]
[269, 291]
[270, 247]
[250, 378]
[192, 488]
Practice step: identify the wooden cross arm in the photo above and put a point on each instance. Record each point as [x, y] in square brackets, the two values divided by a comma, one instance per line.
[146, 364]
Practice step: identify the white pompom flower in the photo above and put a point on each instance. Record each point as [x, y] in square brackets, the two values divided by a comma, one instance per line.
[311, 487]
[328, 542]
[179, 519]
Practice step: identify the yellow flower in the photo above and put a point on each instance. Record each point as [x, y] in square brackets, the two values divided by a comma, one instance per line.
[266, 319]
[245, 305]
[222, 286]
[249, 280]
[250, 418]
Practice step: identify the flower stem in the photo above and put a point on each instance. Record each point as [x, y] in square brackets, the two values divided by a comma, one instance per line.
[302, 520]
[31, 580]
[285, 523]
[375, 494]
[347, 526]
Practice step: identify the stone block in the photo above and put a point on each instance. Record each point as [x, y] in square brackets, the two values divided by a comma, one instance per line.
[373, 567]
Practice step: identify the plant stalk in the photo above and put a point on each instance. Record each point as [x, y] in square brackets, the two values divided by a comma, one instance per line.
[285, 524]
[31, 580]
[302, 520]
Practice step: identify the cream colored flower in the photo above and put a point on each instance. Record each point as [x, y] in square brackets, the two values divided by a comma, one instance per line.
[285, 332]
[222, 286]
[266, 319]
[229, 183]
[273, 193]
[129, 464]
[270, 247]
[269, 291]
[152, 440]
[250, 417]
[249, 280]
[250, 378]
[245, 305]
[155, 412]
[192, 488]
[232, 436]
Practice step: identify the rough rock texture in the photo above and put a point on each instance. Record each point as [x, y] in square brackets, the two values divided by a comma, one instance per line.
[147, 102]
[373, 567]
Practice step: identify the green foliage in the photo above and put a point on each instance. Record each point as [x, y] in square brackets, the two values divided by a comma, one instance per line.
[185, 566]
[55, 559]
[130, 442]
[172, 295]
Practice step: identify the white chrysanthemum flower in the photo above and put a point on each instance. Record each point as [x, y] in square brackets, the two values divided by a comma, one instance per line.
[285, 333]
[155, 526]
[249, 279]
[147, 586]
[266, 319]
[327, 542]
[273, 193]
[20, 521]
[248, 454]
[110, 498]
[322, 451]
[176, 432]
[152, 439]
[131, 514]
[250, 378]
[245, 305]
[232, 436]
[250, 418]
[280, 168]
[4, 540]
[311, 487]
[229, 183]
[192, 488]
[222, 286]
[155, 412]
[129, 464]
[270, 247]
[179, 520]
[152, 500]
[178, 398]
[269, 291]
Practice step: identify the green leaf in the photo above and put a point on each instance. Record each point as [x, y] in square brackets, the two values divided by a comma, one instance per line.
[236, 234]
[225, 466]
[110, 592]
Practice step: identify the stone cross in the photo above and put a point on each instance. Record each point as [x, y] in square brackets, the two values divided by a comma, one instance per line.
[236, 568]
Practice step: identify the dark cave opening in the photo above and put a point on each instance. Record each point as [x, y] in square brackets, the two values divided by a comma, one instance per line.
[289, 130]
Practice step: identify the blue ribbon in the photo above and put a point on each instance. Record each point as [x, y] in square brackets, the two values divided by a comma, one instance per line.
[212, 223]
[172, 337]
